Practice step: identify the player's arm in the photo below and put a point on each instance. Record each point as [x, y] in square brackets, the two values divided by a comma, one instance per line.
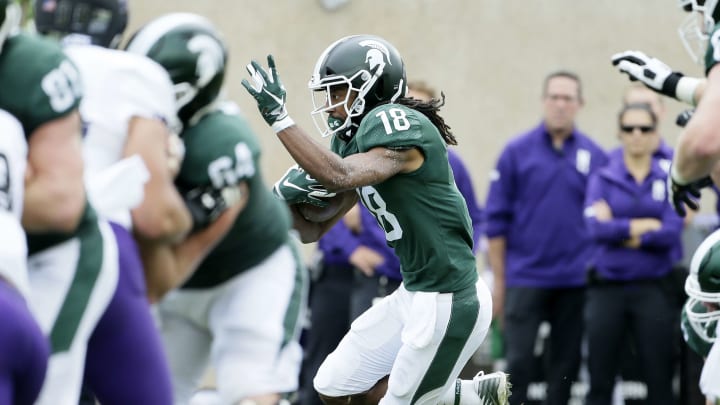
[357, 170]
[54, 191]
[168, 266]
[658, 76]
[334, 172]
[312, 231]
[698, 147]
[162, 215]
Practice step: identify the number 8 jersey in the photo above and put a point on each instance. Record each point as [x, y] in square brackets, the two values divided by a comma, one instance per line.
[423, 214]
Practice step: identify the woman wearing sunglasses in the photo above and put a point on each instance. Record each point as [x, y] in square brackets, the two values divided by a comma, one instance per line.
[634, 227]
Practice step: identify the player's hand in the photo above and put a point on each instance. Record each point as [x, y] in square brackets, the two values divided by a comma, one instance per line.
[207, 203]
[651, 71]
[297, 186]
[269, 93]
[681, 195]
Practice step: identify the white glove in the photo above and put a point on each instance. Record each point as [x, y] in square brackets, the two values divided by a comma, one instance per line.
[656, 75]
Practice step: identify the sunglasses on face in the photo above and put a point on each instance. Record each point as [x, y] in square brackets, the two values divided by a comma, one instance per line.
[643, 128]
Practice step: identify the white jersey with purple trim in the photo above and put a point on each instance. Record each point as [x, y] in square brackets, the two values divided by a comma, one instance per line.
[13, 160]
[710, 376]
[118, 87]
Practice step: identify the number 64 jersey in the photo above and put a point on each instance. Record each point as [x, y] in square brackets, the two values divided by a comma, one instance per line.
[423, 214]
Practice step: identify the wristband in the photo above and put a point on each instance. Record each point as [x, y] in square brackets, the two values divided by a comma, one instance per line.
[677, 178]
[278, 126]
[670, 85]
[685, 90]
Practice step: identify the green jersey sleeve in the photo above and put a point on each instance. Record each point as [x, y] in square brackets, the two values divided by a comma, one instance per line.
[712, 54]
[391, 126]
[39, 82]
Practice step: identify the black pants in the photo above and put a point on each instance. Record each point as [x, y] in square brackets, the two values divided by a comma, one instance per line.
[337, 297]
[525, 309]
[644, 311]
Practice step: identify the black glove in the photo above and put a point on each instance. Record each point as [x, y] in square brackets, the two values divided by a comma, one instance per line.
[206, 204]
[686, 194]
[684, 117]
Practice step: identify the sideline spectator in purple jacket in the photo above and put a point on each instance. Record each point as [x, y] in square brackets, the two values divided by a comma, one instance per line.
[629, 217]
[539, 248]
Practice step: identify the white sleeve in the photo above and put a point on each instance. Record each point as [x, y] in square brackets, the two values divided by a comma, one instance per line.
[146, 91]
[710, 376]
[13, 161]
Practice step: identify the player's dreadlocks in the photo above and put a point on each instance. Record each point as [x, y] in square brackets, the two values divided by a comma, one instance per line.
[430, 109]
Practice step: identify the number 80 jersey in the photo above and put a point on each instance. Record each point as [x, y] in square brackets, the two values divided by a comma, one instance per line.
[38, 82]
[423, 214]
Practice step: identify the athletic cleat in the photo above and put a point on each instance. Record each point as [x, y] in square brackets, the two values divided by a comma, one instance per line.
[493, 388]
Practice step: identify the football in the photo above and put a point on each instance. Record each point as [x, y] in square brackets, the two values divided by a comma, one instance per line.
[313, 213]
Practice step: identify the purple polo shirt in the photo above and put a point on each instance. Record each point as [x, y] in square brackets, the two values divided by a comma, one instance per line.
[338, 244]
[536, 201]
[628, 199]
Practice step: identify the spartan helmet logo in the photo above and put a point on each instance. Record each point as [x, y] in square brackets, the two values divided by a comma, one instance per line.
[210, 58]
[374, 57]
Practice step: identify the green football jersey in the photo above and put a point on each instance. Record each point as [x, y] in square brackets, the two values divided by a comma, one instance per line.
[423, 214]
[712, 53]
[40, 84]
[220, 150]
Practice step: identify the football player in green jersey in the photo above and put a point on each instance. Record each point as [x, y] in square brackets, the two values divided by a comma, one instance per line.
[703, 311]
[73, 259]
[251, 287]
[695, 163]
[698, 333]
[391, 152]
[698, 148]
[128, 110]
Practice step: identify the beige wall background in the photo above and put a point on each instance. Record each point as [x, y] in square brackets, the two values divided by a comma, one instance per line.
[489, 57]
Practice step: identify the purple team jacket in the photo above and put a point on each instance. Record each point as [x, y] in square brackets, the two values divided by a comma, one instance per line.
[535, 201]
[627, 200]
[664, 154]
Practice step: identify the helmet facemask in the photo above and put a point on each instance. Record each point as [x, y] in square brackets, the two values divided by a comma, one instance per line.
[702, 320]
[695, 30]
[322, 100]
[373, 72]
